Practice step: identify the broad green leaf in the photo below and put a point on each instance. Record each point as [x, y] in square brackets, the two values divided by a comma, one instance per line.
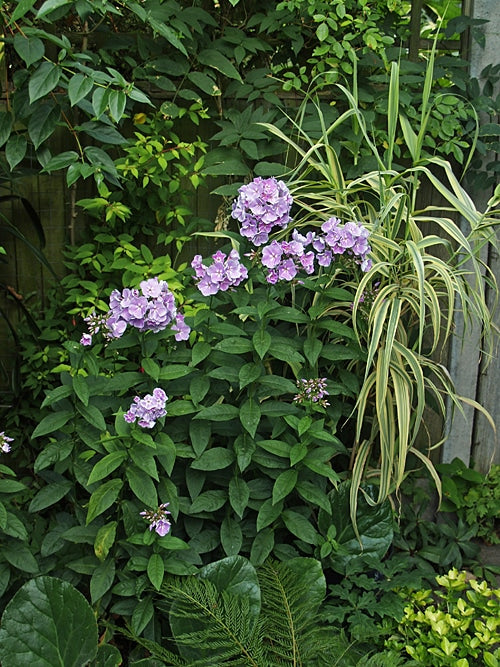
[231, 536]
[105, 539]
[163, 30]
[102, 498]
[48, 623]
[103, 133]
[234, 345]
[262, 546]
[284, 484]
[239, 494]
[156, 570]
[208, 501]
[244, 447]
[204, 82]
[312, 350]
[15, 528]
[79, 86]
[174, 371]
[106, 466]
[250, 416]
[216, 458]
[143, 613]
[49, 495]
[117, 101]
[11, 486]
[275, 385]
[20, 557]
[92, 416]
[52, 422]
[102, 579]
[151, 368]
[22, 8]
[261, 342]
[301, 527]
[215, 59]
[218, 413]
[15, 149]
[81, 388]
[298, 452]
[6, 122]
[30, 49]
[268, 512]
[142, 486]
[314, 495]
[248, 373]
[198, 388]
[50, 5]
[145, 461]
[200, 351]
[43, 81]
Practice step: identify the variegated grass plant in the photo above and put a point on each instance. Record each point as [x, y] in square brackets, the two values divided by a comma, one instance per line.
[427, 266]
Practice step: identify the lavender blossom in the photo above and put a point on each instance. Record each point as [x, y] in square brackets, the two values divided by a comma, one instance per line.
[158, 519]
[150, 308]
[312, 391]
[261, 205]
[148, 409]
[350, 239]
[224, 272]
[4, 442]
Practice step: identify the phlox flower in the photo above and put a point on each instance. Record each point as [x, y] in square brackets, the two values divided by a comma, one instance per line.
[158, 519]
[312, 391]
[148, 409]
[261, 205]
[4, 442]
[221, 274]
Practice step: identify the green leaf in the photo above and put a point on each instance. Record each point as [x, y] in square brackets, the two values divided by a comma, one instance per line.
[174, 371]
[216, 458]
[244, 447]
[268, 512]
[156, 570]
[102, 579]
[92, 416]
[297, 453]
[48, 623]
[50, 5]
[30, 49]
[102, 498]
[143, 613]
[299, 526]
[239, 494]
[105, 539]
[6, 122]
[168, 33]
[208, 501]
[198, 388]
[312, 349]
[42, 124]
[105, 466]
[284, 484]
[52, 422]
[275, 385]
[20, 557]
[231, 536]
[79, 86]
[142, 486]
[234, 345]
[43, 81]
[81, 388]
[117, 101]
[103, 133]
[218, 413]
[15, 149]
[151, 368]
[204, 82]
[11, 486]
[250, 416]
[248, 373]
[145, 461]
[261, 342]
[201, 351]
[313, 494]
[262, 546]
[23, 7]
[215, 59]
[49, 495]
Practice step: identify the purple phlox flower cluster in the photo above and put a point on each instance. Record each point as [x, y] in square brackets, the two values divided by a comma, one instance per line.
[4, 442]
[312, 391]
[261, 205]
[148, 409]
[285, 259]
[158, 519]
[95, 323]
[350, 239]
[150, 308]
[223, 272]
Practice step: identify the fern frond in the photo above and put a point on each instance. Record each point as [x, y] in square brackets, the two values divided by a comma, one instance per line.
[212, 628]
